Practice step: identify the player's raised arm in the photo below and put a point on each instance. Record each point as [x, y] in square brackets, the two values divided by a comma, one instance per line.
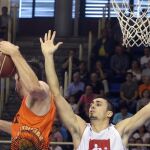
[26, 75]
[71, 121]
[128, 126]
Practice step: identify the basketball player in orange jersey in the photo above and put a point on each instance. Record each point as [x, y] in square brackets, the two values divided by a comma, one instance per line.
[32, 124]
[99, 133]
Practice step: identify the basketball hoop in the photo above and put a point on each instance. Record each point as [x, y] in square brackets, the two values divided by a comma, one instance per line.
[134, 22]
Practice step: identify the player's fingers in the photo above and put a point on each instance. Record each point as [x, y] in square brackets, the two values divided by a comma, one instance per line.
[58, 44]
[45, 37]
[49, 34]
[41, 41]
[53, 36]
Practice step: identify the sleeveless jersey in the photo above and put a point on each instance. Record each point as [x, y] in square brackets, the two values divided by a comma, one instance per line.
[107, 139]
[30, 131]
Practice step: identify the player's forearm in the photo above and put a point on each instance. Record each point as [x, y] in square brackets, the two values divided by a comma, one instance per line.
[53, 82]
[146, 111]
[5, 126]
[51, 75]
[27, 76]
[140, 118]
[62, 105]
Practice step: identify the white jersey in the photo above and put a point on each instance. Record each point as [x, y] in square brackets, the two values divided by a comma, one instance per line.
[107, 139]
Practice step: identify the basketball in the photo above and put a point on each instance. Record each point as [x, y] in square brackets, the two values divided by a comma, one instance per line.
[7, 67]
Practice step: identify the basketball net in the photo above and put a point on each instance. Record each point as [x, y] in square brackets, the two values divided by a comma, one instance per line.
[134, 22]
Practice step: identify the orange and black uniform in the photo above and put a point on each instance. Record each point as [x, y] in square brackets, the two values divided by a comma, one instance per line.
[31, 132]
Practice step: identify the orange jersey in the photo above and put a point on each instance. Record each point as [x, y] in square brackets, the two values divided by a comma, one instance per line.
[30, 131]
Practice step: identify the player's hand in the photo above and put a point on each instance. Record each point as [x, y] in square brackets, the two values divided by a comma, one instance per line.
[8, 48]
[47, 44]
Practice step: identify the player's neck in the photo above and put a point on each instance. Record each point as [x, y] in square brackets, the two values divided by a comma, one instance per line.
[98, 126]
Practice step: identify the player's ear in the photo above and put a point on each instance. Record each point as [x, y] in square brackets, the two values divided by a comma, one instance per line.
[109, 114]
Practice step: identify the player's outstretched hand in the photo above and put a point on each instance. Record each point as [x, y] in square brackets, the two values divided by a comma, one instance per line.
[47, 44]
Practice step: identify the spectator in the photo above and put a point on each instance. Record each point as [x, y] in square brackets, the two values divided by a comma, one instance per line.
[56, 135]
[103, 46]
[117, 34]
[87, 97]
[76, 87]
[102, 75]
[55, 147]
[4, 21]
[129, 92]
[139, 141]
[65, 64]
[144, 59]
[75, 61]
[145, 85]
[82, 69]
[97, 86]
[73, 104]
[146, 70]
[147, 125]
[99, 70]
[123, 114]
[143, 134]
[119, 62]
[145, 99]
[131, 140]
[136, 70]
[64, 132]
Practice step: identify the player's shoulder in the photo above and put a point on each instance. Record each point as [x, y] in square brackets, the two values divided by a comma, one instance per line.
[44, 86]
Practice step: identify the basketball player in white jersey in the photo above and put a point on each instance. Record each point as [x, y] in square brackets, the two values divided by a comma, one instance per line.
[99, 133]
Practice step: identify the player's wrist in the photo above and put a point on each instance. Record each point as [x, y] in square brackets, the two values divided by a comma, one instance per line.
[48, 54]
[15, 51]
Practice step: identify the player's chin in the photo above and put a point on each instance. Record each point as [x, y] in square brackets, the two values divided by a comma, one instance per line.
[92, 117]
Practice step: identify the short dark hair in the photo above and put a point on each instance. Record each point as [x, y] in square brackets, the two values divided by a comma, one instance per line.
[110, 106]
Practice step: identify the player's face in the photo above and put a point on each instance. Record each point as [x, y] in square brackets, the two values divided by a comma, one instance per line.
[99, 109]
